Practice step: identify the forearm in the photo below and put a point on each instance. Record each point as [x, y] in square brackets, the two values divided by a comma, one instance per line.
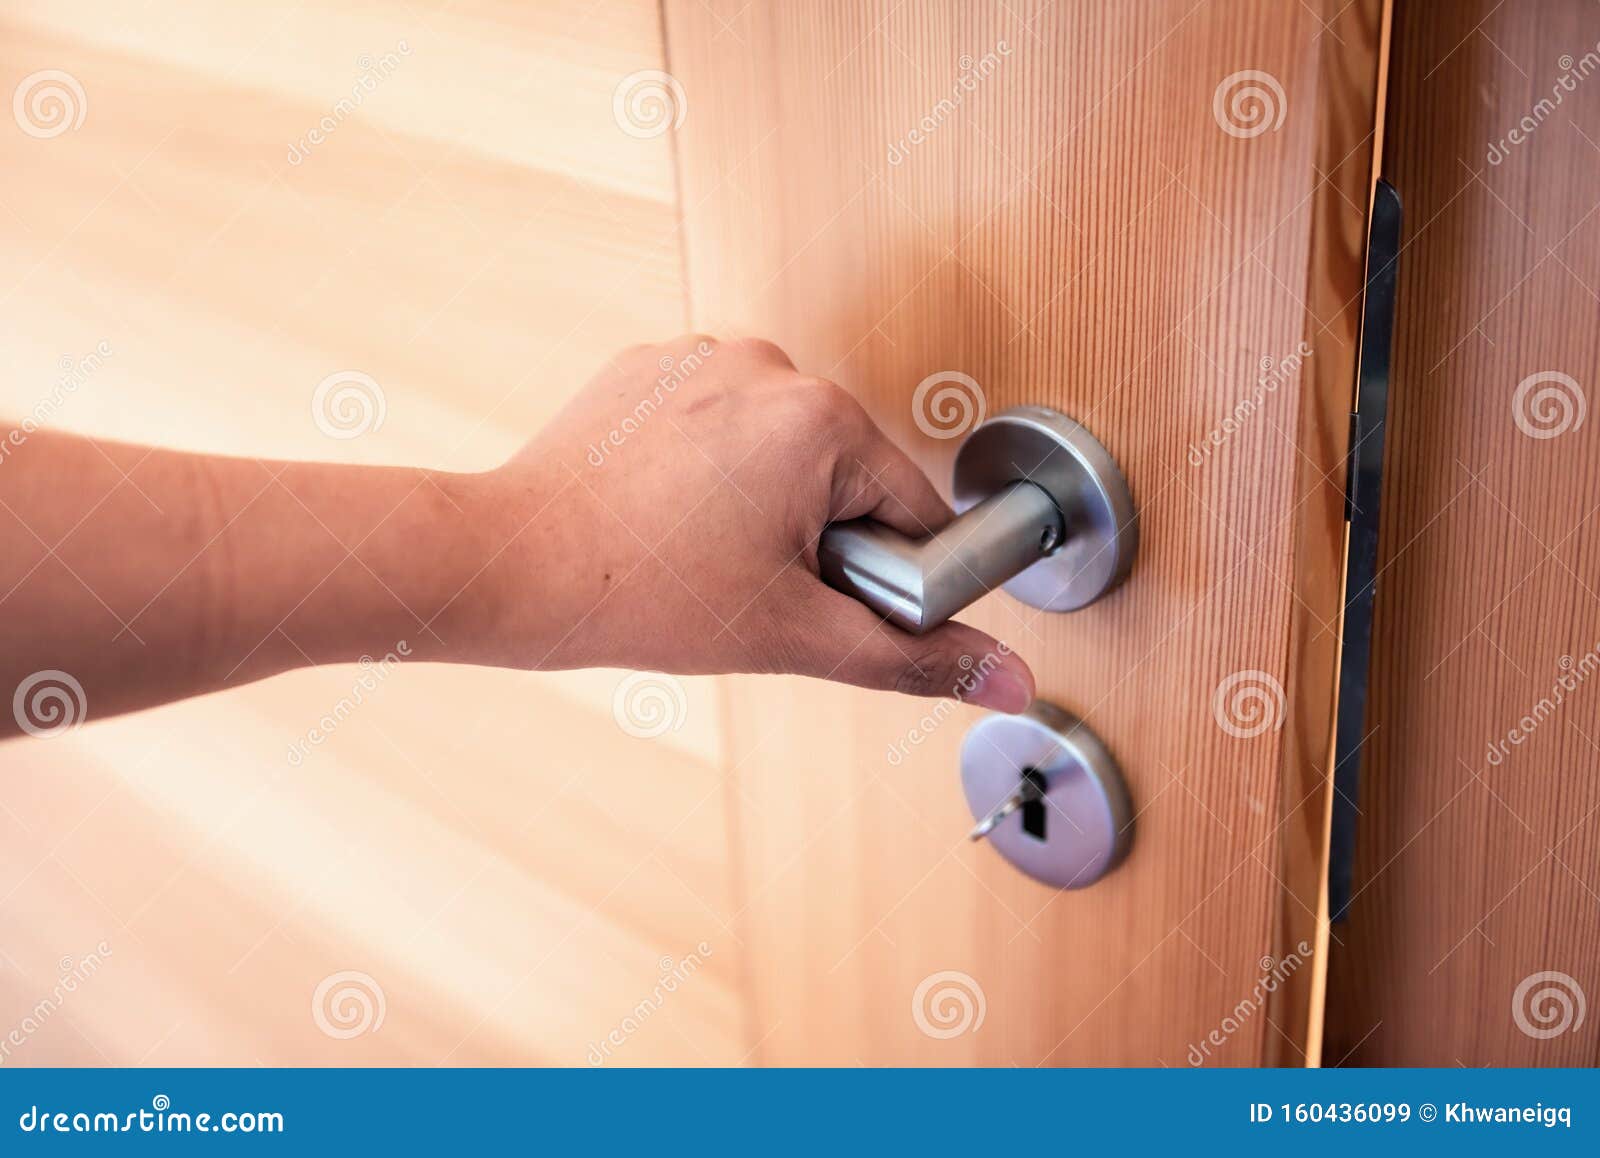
[148, 575]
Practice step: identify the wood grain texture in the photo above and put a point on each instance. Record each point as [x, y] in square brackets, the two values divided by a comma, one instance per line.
[1076, 228]
[1478, 862]
[477, 236]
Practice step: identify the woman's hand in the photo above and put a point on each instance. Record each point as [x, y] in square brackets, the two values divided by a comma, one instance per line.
[668, 519]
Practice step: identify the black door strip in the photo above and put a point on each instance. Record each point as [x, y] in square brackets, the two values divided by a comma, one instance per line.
[1362, 491]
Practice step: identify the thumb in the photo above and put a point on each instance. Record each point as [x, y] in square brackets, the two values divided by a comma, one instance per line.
[845, 641]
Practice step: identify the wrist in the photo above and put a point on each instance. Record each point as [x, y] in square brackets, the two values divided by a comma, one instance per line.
[320, 563]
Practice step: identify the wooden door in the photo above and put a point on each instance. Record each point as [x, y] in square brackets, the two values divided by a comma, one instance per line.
[1473, 933]
[1151, 217]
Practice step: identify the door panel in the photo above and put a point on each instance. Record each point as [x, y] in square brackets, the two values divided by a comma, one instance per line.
[1063, 202]
[1476, 881]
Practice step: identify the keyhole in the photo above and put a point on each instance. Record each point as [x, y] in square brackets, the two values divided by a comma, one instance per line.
[1033, 810]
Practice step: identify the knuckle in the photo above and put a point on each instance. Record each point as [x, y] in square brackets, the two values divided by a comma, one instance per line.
[760, 349]
[826, 404]
[927, 673]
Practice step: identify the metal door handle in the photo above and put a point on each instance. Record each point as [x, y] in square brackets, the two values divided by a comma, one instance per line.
[1046, 513]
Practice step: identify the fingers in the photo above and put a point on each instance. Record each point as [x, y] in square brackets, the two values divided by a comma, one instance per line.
[877, 479]
[840, 639]
[872, 477]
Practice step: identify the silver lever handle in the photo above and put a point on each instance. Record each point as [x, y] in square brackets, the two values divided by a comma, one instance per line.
[917, 584]
[1047, 514]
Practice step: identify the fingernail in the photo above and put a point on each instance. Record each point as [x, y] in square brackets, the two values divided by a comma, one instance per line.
[1002, 690]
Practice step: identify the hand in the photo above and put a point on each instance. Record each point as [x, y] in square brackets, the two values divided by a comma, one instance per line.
[668, 517]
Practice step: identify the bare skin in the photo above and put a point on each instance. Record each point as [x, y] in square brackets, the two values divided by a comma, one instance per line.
[659, 522]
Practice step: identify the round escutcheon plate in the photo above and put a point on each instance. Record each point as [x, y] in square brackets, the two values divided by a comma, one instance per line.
[1046, 447]
[1082, 825]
